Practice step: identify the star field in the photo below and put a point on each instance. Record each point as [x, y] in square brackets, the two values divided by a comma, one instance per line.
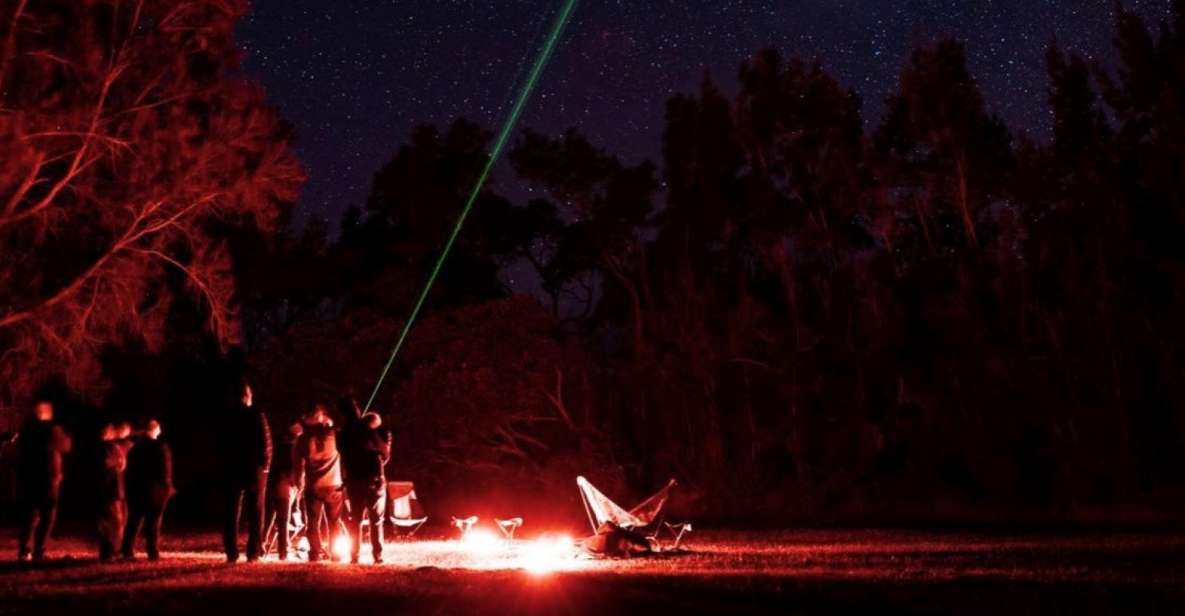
[354, 76]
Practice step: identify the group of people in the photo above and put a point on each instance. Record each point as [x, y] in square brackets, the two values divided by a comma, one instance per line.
[336, 473]
[135, 484]
[339, 471]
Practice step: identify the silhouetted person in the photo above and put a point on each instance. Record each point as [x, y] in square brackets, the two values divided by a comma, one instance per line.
[41, 444]
[149, 487]
[366, 451]
[111, 512]
[247, 454]
[318, 464]
[285, 485]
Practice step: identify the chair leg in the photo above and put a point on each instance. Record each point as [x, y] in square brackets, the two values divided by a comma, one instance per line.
[678, 538]
[270, 535]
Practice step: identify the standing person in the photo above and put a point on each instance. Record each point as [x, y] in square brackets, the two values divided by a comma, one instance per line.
[285, 486]
[365, 453]
[247, 454]
[112, 506]
[41, 444]
[149, 486]
[318, 465]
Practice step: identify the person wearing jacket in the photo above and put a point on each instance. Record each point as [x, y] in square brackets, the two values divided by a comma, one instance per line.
[247, 455]
[41, 446]
[149, 487]
[366, 449]
[111, 511]
[318, 467]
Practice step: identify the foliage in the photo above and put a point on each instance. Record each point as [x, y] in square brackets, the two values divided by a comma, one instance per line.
[129, 145]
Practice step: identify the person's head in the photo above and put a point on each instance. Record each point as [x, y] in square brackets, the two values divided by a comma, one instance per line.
[123, 430]
[43, 410]
[152, 429]
[373, 420]
[318, 416]
[247, 397]
[296, 429]
[108, 433]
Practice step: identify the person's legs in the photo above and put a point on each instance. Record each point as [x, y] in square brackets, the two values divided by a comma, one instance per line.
[136, 510]
[110, 527]
[313, 511]
[47, 513]
[154, 513]
[256, 493]
[335, 501]
[154, 516]
[282, 509]
[375, 510]
[356, 496]
[120, 520]
[29, 520]
[230, 527]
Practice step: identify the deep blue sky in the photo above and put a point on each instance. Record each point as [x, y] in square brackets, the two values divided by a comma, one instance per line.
[354, 76]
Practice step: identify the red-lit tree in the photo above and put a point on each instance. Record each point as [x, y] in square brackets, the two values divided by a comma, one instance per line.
[129, 144]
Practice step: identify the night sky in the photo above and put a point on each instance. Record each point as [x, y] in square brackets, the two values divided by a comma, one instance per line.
[354, 76]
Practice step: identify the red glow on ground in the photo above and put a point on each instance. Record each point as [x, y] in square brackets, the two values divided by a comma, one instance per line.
[481, 542]
[342, 547]
[547, 554]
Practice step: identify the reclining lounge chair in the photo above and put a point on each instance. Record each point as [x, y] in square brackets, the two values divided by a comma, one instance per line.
[621, 532]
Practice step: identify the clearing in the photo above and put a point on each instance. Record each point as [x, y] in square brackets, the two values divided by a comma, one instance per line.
[724, 572]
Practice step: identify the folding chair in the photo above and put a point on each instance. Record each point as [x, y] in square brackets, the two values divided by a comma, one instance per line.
[509, 526]
[645, 519]
[675, 530]
[464, 525]
[403, 507]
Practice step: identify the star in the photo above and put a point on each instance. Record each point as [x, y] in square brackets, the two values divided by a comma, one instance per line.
[355, 78]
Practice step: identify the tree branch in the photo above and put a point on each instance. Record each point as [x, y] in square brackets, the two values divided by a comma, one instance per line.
[10, 41]
[131, 236]
[26, 184]
[76, 166]
[216, 320]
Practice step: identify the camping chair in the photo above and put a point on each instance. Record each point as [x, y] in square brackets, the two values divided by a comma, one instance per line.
[464, 525]
[509, 526]
[403, 507]
[675, 530]
[645, 519]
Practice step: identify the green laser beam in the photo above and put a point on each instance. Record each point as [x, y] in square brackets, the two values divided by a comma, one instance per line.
[541, 61]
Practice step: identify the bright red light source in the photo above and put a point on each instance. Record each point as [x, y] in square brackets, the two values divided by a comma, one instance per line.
[342, 546]
[547, 554]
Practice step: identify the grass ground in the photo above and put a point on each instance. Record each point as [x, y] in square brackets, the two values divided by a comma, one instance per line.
[766, 572]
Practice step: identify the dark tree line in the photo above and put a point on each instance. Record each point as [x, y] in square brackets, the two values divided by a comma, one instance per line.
[799, 316]
[934, 318]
